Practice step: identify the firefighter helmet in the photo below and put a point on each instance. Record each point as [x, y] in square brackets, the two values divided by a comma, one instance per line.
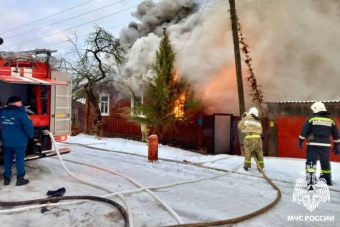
[318, 107]
[254, 111]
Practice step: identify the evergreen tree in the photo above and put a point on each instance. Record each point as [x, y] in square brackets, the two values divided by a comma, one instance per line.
[168, 97]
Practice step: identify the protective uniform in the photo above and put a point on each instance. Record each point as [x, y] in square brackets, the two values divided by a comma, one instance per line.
[16, 129]
[251, 129]
[144, 130]
[317, 131]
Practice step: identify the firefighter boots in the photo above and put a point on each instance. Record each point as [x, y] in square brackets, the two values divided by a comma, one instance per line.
[21, 181]
[327, 178]
[7, 180]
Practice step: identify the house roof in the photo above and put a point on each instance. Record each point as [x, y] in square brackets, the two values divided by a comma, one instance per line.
[306, 101]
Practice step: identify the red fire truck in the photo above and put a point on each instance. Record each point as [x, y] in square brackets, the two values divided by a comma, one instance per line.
[46, 95]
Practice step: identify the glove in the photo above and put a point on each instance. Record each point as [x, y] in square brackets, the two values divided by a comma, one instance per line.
[336, 150]
[56, 193]
[300, 142]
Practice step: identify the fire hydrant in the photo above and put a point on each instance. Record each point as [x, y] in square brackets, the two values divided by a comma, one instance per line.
[153, 148]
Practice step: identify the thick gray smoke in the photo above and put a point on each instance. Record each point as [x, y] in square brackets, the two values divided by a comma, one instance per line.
[153, 17]
[295, 47]
[142, 38]
[293, 44]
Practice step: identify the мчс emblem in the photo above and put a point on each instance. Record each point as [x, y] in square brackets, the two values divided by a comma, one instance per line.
[311, 194]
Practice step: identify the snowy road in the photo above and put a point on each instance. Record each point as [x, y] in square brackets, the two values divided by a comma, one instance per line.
[227, 196]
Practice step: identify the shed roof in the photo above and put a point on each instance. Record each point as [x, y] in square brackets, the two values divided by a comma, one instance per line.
[306, 101]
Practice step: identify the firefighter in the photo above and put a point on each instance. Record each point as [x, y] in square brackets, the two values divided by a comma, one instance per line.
[144, 130]
[17, 128]
[251, 129]
[317, 131]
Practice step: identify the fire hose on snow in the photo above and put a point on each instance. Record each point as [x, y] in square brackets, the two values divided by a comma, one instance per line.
[130, 220]
[246, 216]
[57, 199]
[141, 188]
[118, 194]
[221, 222]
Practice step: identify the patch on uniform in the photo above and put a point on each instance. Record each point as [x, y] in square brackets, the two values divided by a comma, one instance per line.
[322, 122]
[8, 121]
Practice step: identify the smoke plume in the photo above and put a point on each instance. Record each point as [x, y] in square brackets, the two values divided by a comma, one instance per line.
[293, 45]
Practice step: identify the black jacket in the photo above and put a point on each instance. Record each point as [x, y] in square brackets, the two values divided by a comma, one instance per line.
[317, 130]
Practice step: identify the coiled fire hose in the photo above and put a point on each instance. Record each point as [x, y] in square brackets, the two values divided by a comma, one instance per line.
[57, 199]
[243, 217]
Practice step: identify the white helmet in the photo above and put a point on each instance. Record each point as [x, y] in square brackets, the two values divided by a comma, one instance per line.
[318, 107]
[254, 111]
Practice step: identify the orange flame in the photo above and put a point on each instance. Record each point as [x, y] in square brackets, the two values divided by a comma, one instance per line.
[176, 75]
[179, 103]
[220, 93]
[179, 106]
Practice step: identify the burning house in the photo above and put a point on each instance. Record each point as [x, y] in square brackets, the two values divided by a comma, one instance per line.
[287, 67]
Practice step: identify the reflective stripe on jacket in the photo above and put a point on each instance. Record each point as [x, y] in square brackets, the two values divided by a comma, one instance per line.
[317, 130]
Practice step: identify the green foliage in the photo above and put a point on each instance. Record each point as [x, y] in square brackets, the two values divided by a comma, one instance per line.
[163, 93]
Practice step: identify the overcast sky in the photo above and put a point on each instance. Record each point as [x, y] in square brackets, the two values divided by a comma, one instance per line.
[34, 24]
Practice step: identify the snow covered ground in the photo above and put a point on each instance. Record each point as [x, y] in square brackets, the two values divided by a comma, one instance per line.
[210, 195]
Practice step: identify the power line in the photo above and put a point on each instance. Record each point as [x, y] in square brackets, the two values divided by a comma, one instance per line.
[211, 4]
[66, 40]
[70, 18]
[114, 33]
[33, 22]
[67, 48]
[100, 18]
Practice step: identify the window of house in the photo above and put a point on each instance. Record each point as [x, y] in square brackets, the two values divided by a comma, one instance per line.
[104, 104]
[135, 101]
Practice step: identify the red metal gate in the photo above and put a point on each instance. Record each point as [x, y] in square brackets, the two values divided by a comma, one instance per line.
[288, 131]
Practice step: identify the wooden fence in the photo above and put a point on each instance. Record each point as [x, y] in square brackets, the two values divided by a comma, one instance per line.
[196, 134]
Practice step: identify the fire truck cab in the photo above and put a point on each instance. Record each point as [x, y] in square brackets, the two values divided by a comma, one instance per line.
[45, 93]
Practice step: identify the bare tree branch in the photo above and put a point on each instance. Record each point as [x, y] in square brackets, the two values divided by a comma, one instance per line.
[100, 60]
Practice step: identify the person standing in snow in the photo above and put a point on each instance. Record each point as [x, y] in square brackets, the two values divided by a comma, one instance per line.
[251, 130]
[144, 128]
[145, 131]
[16, 129]
[317, 131]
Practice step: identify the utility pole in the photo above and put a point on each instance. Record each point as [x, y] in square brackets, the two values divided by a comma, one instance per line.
[233, 18]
